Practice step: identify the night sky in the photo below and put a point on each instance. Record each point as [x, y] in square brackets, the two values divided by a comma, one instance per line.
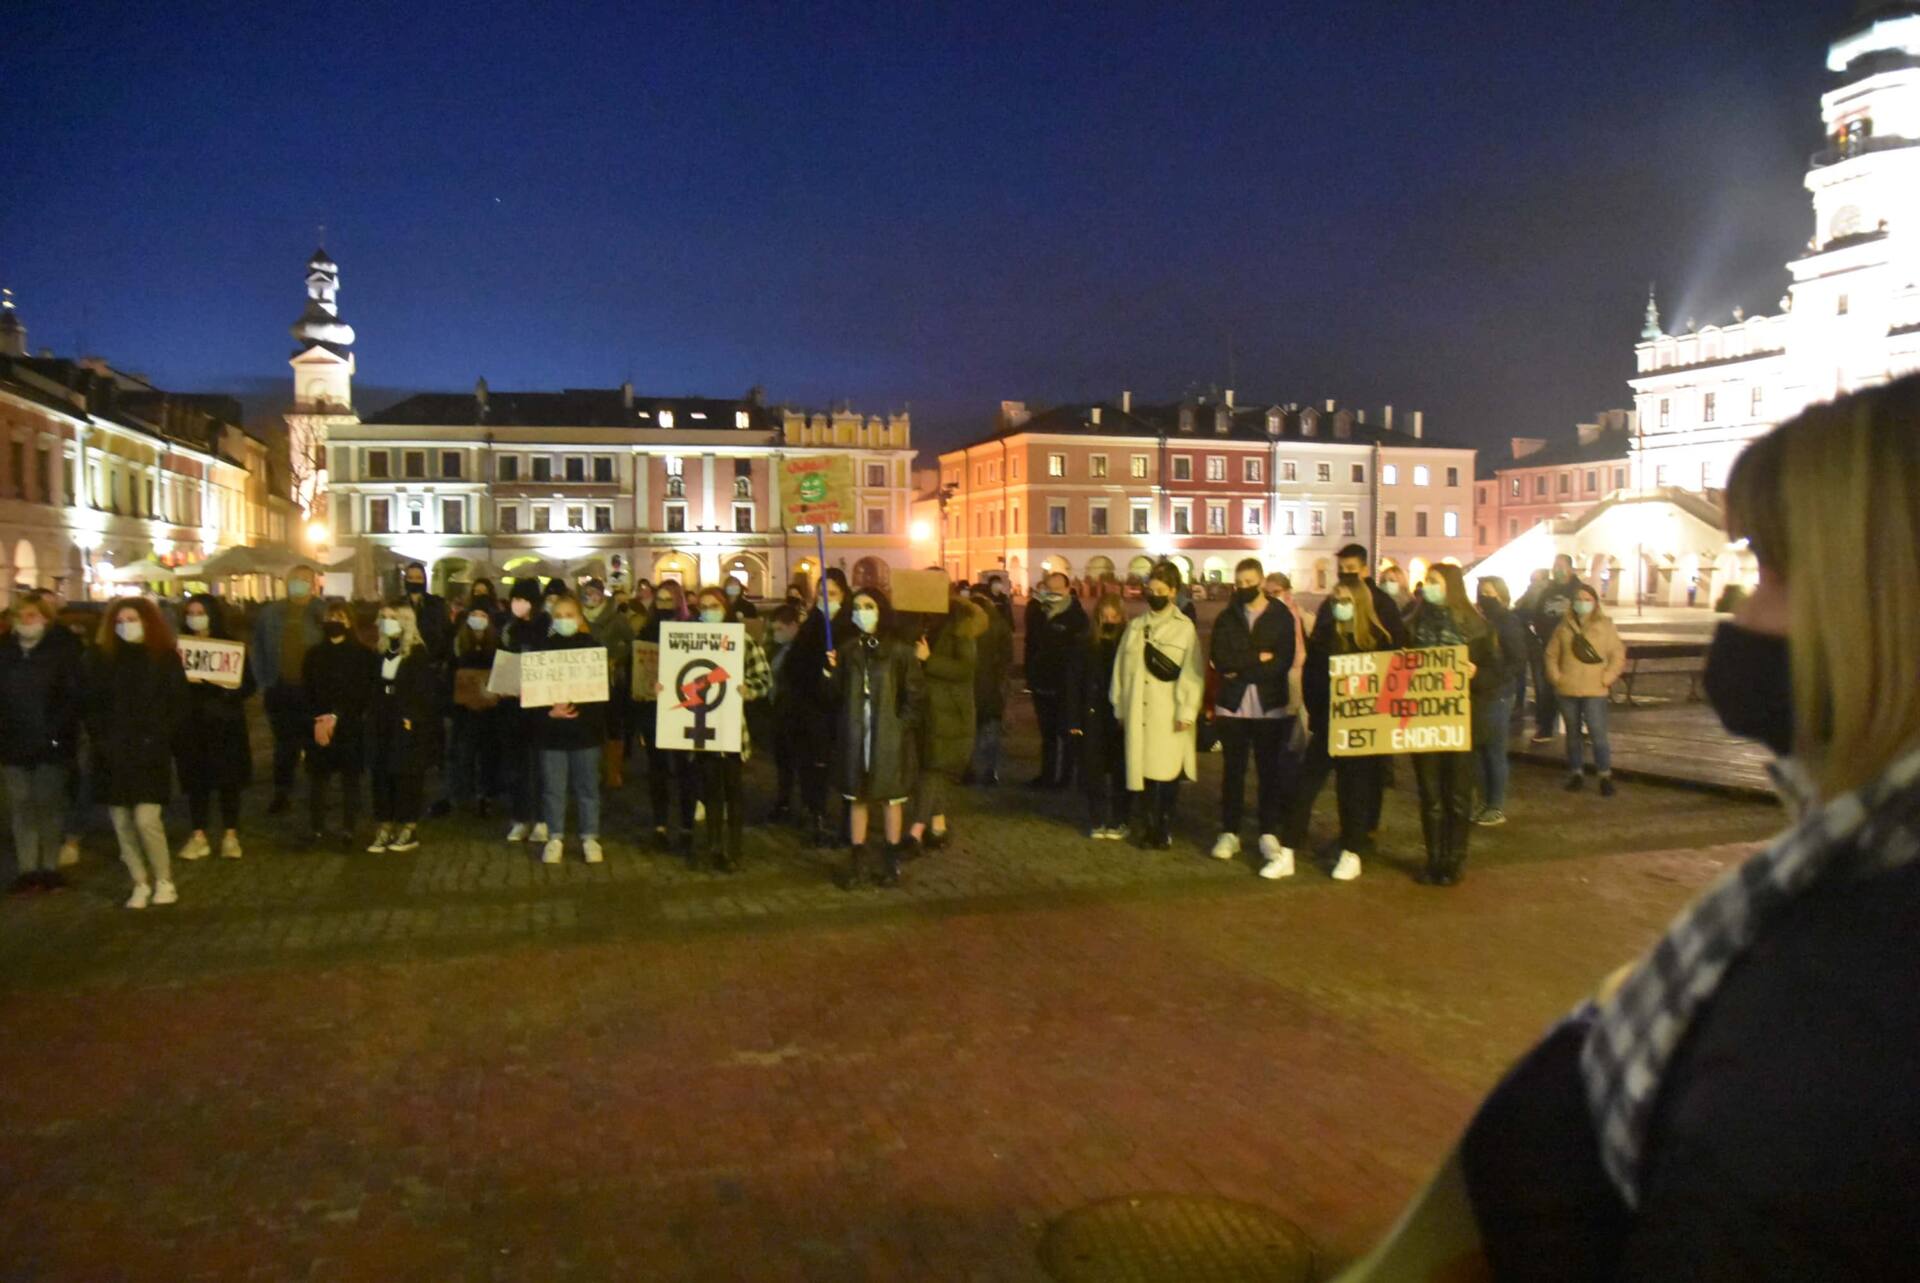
[913, 205]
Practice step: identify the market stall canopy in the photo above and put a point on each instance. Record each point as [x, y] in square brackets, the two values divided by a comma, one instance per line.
[144, 571]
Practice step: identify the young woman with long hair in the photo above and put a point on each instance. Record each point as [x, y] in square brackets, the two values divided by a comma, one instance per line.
[403, 729]
[571, 737]
[136, 696]
[881, 697]
[523, 628]
[672, 786]
[1447, 778]
[947, 656]
[338, 676]
[211, 751]
[1493, 714]
[1158, 681]
[1092, 726]
[818, 706]
[719, 774]
[1585, 657]
[474, 767]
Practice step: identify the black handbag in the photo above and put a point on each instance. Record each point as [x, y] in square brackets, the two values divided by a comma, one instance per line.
[1584, 652]
[1159, 665]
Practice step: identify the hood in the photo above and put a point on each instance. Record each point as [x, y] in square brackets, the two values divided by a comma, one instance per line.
[966, 619]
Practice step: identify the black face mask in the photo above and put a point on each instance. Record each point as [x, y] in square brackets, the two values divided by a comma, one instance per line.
[1749, 682]
[334, 629]
[415, 587]
[1245, 596]
[1159, 601]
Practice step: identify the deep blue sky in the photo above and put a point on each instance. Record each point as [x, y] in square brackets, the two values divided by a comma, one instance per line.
[1430, 205]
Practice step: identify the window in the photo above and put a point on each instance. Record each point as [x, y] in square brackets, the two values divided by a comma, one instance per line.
[1182, 467]
[1097, 519]
[1183, 518]
[1450, 524]
[1056, 465]
[675, 465]
[1252, 470]
[450, 464]
[1758, 400]
[576, 468]
[1840, 306]
[1389, 474]
[1253, 518]
[1216, 518]
[1097, 466]
[1422, 477]
[576, 516]
[743, 518]
[542, 517]
[741, 419]
[542, 468]
[1216, 467]
[1392, 527]
[1707, 404]
[508, 466]
[1593, 480]
[1137, 468]
[876, 475]
[1453, 477]
[1056, 518]
[1348, 522]
[1666, 412]
[743, 487]
[1619, 478]
[664, 417]
[416, 519]
[676, 518]
[1013, 468]
[1317, 522]
[603, 467]
[453, 516]
[1289, 471]
[1139, 519]
[1323, 472]
[379, 516]
[1513, 487]
[1291, 520]
[1660, 475]
[877, 521]
[1540, 485]
[414, 463]
[1357, 474]
[377, 466]
[1016, 518]
[676, 487]
[1566, 483]
[1419, 525]
[43, 473]
[509, 521]
[1513, 527]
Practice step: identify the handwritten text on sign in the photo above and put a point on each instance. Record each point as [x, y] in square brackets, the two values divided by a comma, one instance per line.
[563, 677]
[816, 489]
[1400, 701]
[700, 668]
[218, 663]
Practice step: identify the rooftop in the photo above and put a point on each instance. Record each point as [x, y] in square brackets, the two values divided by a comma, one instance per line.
[1201, 419]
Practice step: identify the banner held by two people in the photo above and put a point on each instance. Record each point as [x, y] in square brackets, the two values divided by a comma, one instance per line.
[1400, 701]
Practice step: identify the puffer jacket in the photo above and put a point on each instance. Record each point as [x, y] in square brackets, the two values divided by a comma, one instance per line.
[946, 734]
[1574, 678]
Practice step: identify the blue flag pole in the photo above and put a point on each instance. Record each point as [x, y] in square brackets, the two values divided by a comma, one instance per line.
[826, 607]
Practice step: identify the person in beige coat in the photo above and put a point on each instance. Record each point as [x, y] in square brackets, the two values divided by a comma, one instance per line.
[1157, 713]
[1585, 657]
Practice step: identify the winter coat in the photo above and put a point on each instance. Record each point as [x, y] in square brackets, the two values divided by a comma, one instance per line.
[268, 629]
[340, 677]
[40, 699]
[1515, 646]
[1051, 643]
[1574, 678]
[404, 717]
[134, 704]
[1391, 614]
[211, 749]
[1545, 609]
[589, 729]
[880, 699]
[435, 621]
[1436, 626]
[992, 661]
[1090, 711]
[1147, 708]
[1235, 649]
[612, 629]
[1316, 679]
[946, 735]
[806, 668]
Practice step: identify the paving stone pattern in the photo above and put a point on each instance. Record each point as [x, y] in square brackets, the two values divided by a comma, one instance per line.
[461, 1064]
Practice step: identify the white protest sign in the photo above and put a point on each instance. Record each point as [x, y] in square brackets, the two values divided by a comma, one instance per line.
[701, 666]
[218, 663]
[505, 678]
[575, 676]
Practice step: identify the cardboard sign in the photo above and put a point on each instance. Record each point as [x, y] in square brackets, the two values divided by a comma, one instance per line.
[577, 676]
[217, 663]
[505, 678]
[701, 666]
[816, 489]
[1400, 701]
[646, 668]
[470, 689]
[923, 591]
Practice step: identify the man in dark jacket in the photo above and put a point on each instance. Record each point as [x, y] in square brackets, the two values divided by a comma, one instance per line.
[1353, 560]
[993, 660]
[1056, 631]
[1543, 615]
[1252, 650]
[40, 674]
[430, 613]
[282, 634]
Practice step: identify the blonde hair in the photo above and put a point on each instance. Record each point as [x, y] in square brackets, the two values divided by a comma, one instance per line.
[410, 639]
[1365, 627]
[1829, 501]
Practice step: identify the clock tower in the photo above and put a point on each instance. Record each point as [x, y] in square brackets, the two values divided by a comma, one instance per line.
[322, 384]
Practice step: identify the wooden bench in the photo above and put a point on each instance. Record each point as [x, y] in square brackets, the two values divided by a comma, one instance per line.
[1663, 659]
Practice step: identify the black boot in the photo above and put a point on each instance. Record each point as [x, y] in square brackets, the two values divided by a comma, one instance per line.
[890, 857]
[1433, 834]
[1149, 814]
[855, 874]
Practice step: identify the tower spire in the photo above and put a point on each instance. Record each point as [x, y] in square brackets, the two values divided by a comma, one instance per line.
[13, 333]
[1650, 329]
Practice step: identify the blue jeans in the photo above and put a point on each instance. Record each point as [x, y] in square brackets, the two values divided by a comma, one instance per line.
[1492, 724]
[575, 771]
[1592, 711]
[37, 796]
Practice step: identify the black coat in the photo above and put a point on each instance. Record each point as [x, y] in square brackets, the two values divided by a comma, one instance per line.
[212, 750]
[1544, 610]
[1514, 644]
[435, 620]
[1316, 679]
[404, 716]
[806, 669]
[992, 661]
[1090, 711]
[339, 678]
[1385, 609]
[40, 698]
[135, 701]
[877, 683]
[1235, 649]
[589, 729]
[1051, 643]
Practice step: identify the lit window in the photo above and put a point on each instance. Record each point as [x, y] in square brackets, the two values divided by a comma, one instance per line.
[741, 419]
[1450, 524]
[1317, 522]
[1138, 468]
[1840, 306]
[666, 418]
[1758, 400]
[1707, 407]
[1216, 467]
[1097, 466]
[1323, 472]
[1056, 465]
[1216, 518]
[675, 465]
[1252, 519]
[1347, 522]
[542, 517]
[1389, 474]
[1252, 470]
[1422, 477]
[698, 414]
[1289, 471]
[1666, 412]
[1291, 520]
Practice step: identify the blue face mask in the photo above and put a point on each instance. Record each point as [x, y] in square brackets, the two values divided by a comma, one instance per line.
[1436, 594]
[566, 627]
[1583, 608]
[298, 589]
[866, 619]
[712, 615]
[1343, 611]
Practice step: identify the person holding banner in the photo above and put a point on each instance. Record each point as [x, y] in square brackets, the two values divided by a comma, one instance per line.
[610, 627]
[1158, 682]
[1348, 626]
[571, 737]
[881, 698]
[1447, 777]
[338, 676]
[211, 751]
[671, 787]
[818, 705]
[135, 696]
[720, 773]
[524, 629]
[403, 728]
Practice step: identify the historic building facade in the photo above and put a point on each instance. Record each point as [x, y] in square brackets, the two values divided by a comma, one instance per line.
[1544, 480]
[1107, 488]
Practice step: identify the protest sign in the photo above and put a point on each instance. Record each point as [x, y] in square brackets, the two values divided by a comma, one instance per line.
[470, 689]
[573, 676]
[646, 668]
[816, 489]
[505, 678]
[922, 591]
[701, 666]
[1400, 701]
[217, 663]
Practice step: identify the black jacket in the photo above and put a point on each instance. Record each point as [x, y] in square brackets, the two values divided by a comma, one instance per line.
[1385, 609]
[1235, 651]
[1544, 610]
[1051, 643]
[404, 717]
[1507, 626]
[134, 703]
[40, 699]
[211, 749]
[993, 660]
[430, 612]
[877, 683]
[1090, 710]
[339, 679]
[589, 729]
[1316, 680]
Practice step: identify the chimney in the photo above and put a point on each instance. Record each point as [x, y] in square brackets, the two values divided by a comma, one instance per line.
[1418, 424]
[480, 393]
[1229, 398]
[1329, 405]
[1093, 416]
[1524, 446]
[1014, 413]
[1126, 403]
[1186, 418]
[1359, 416]
[1586, 433]
[626, 395]
[1222, 420]
[1386, 418]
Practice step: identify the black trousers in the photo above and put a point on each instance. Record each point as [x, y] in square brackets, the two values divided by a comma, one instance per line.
[291, 721]
[200, 806]
[1358, 784]
[1056, 761]
[1446, 783]
[317, 778]
[720, 789]
[1103, 774]
[1264, 739]
[396, 796]
[670, 779]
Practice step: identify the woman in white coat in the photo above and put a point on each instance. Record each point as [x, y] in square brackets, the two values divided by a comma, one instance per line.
[1158, 682]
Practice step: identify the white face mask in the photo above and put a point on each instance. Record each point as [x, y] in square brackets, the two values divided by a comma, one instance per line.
[389, 627]
[198, 623]
[866, 618]
[30, 632]
[477, 622]
[131, 631]
[566, 626]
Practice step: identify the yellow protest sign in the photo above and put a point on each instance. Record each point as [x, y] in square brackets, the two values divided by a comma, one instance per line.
[1400, 701]
[816, 489]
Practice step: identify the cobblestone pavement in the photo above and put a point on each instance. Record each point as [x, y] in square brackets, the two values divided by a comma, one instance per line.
[461, 1064]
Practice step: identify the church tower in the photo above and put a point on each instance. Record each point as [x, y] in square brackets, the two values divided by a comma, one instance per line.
[322, 384]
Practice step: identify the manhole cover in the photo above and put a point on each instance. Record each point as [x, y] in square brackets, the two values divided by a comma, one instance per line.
[1151, 1238]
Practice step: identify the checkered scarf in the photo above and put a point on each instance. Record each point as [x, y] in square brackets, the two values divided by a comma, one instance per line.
[1634, 1032]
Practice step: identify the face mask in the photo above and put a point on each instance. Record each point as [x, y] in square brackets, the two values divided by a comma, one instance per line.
[1245, 596]
[783, 636]
[334, 629]
[1583, 608]
[733, 590]
[566, 627]
[712, 615]
[1391, 588]
[299, 589]
[1488, 603]
[667, 606]
[522, 608]
[1343, 611]
[483, 595]
[389, 628]
[1436, 594]
[198, 623]
[1749, 682]
[131, 631]
[866, 618]
[30, 632]
[416, 586]
[1159, 600]
[478, 623]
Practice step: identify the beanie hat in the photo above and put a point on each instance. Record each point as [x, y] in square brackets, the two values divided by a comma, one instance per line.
[527, 588]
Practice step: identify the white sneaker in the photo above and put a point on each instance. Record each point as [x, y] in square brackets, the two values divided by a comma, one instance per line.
[163, 893]
[550, 854]
[699, 812]
[1348, 867]
[1270, 847]
[518, 833]
[1226, 846]
[539, 833]
[1279, 865]
[380, 840]
[230, 847]
[195, 848]
[404, 840]
[142, 893]
[591, 847]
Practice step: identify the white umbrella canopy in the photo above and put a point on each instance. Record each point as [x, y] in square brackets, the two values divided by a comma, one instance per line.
[144, 571]
[540, 566]
[594, 566]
